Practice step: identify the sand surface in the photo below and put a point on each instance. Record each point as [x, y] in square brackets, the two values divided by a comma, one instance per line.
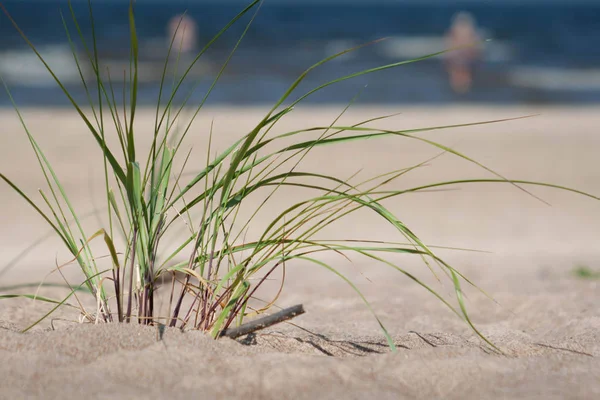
[544, 318]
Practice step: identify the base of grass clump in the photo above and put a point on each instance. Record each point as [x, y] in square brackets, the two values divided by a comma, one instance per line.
[148, 199]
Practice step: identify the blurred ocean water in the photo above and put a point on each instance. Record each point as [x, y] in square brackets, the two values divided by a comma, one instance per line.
[541, 51]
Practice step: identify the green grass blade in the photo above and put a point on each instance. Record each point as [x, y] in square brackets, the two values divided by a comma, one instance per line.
[389, 339]
[36, 297]
[62, 302]
[113, 161]
[35, 207]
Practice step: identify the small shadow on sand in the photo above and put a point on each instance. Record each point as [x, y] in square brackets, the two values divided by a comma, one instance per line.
[307, 342]
[315, 342]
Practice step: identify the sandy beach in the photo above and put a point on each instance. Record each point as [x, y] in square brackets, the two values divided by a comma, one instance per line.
[543, 316]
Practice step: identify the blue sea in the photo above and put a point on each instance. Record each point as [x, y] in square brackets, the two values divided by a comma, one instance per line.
[540, 52]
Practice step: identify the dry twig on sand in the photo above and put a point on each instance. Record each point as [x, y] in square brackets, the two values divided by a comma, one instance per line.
[264, 322]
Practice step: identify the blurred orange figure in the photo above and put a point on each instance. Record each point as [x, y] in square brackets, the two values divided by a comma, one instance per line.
[460, 62]
[183, 29]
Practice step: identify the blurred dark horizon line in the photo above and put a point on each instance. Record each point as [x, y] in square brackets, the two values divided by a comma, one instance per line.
[325, 2]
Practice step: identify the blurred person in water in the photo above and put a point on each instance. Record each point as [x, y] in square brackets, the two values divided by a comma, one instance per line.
[461, 62]
[184, 29]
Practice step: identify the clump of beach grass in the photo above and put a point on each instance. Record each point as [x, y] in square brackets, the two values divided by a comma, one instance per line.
[147, 198]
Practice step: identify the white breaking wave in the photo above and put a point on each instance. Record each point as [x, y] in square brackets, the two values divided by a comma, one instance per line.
[418, 46]
[555, 78]
[24, 67]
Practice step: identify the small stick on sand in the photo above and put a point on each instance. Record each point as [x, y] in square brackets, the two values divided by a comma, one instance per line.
[264, 322]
